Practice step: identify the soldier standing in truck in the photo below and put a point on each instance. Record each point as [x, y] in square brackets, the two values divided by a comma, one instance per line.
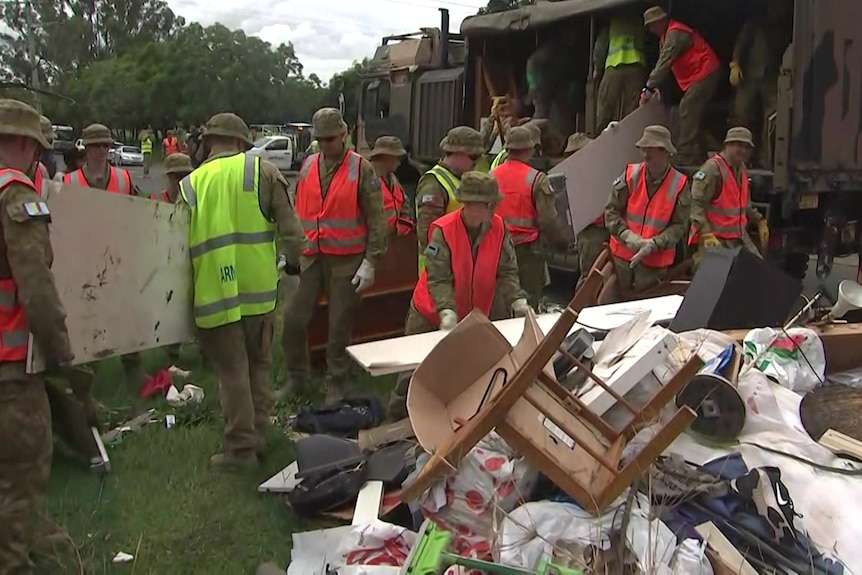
[619, 65]
[696, 68]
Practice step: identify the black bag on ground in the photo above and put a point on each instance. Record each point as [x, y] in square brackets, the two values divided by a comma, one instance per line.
[346, 417]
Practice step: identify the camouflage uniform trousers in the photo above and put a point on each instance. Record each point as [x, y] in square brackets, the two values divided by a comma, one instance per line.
[692, 109]
[619, 93]
[633, 279]
[343, 302]
[414, 324]
[241, 355]
[744, 242]
[25, 464]
[148, 161]
[755, 101]
[532, 273]
[590, 243]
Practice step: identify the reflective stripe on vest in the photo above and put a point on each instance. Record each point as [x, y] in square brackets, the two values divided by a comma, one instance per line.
[649, 216]
[697, 62]
[515, 180]
[449, 182]
[119, 180]
[146, 146]
[14, 334]
[393, 204]
[231, 243]
[726, 213]
[41, 178]
[162, 197]
[332, 220]
[625, 43]
[474, 283]
[499, 159]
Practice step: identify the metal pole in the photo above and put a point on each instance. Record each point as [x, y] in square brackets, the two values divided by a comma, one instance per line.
[31, 55]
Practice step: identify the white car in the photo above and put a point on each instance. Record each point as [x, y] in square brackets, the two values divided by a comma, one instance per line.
[128, 156]
[277, 149]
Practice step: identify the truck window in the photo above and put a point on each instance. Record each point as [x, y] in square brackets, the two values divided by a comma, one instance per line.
[375, 103]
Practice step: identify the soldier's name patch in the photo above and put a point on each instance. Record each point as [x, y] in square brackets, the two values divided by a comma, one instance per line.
[427, 199]
[432, 250]
[700, 175]
[36, 209]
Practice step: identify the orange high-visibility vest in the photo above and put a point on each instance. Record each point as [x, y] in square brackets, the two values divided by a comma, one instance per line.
[14, 334]
[393, 201]
[41, 179]
[648, 217]
[119, 181]
[726, 213]
[474, 282]
[515, 180]
[334, 224]
[163, 196]
[170, 145]
[697, 62]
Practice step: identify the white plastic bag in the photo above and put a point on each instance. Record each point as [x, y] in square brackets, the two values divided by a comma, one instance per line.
[795, 360]
[377, 543]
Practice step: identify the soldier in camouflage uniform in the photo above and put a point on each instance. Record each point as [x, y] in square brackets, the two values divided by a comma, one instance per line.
[436, 190]
[619, 64]
[386, 157]
[531, 252]
[754, 71]
[655, 173]
[31, 303]
[341, 277]
[479, 196]
[708, 184]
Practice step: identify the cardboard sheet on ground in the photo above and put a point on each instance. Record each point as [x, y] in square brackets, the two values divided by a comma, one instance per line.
[591, 172]
[406, 353]
[122, 270]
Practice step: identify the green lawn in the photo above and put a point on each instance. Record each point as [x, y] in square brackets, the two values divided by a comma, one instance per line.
[161, 503]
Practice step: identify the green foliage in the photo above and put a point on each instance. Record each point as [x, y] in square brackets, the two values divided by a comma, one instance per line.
[133, 63]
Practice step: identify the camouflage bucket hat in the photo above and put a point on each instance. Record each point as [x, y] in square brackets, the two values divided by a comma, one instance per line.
[739, 134]
[478, 187]
[519, 138]
[20, 119]
[576, 142]
[227, 125]
[47, 131]
[327, 123]
[535, 132]
[388, 146]
[96, 134]
[178, 164]
[654, 14]
[464, 140]
[656, 137]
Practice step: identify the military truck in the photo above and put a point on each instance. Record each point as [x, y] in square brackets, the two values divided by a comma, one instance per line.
[414, 90]
[812, 195]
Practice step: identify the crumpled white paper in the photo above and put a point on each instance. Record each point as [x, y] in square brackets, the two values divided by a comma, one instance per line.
[189, 394]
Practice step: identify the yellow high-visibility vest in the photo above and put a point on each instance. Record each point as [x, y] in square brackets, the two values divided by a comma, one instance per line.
[450, 183]
[625, 44]
[231, 243]
[499, 159]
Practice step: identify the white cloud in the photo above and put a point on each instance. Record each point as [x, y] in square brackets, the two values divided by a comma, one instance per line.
[328, 35]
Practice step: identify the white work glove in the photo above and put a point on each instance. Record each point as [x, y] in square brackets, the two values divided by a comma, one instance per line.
[364, 277]
[520, 307]
[448, 320]
[281, 263]
[612, 127]
[632, 240]
[646, 249]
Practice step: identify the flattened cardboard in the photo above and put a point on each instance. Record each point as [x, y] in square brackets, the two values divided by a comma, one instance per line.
[369, 439]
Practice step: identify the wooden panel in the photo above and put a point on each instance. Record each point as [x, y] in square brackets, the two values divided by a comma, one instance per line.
[590, 173]
[122, 270]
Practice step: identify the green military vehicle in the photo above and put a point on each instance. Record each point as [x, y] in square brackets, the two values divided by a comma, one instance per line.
[812, 193]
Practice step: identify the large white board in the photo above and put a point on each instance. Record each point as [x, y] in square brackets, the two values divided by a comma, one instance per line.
[123, 272]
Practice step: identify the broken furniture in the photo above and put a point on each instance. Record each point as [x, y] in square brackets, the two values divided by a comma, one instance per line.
[832, 407]
[712, 394]
[674, 283]
[513, 390]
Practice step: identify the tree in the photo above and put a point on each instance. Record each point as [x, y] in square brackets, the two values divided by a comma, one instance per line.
[503, 5]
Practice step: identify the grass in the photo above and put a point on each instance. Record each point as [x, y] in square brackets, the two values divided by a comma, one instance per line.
[161, 502]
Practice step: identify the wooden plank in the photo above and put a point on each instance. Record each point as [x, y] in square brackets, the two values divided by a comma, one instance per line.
[729, 559]
[841, 444]
[590, 173]
[368, 503]
[122, 270]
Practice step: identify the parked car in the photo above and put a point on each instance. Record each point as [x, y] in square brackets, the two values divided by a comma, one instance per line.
[128, 156]
[79, 145]
[112, 152]
[277, 149]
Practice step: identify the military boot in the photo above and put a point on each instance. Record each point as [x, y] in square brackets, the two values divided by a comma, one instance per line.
[228, 461]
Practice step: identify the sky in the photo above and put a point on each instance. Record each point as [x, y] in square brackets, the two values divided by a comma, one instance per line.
[327, 35]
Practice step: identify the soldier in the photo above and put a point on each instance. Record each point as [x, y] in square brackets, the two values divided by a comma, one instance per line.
[47, 159]
[435, 192]
[696, 68]
[97, 172]
[647, 214]
[30, 302]
[177, 167]
[237, 201]
[754, 71]
[170, 143]
[42, 173]
[529, 212]
[720, 202]
[340, 204]
[147, 150]
[471, 258]
[619, 65]
[386, 157]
